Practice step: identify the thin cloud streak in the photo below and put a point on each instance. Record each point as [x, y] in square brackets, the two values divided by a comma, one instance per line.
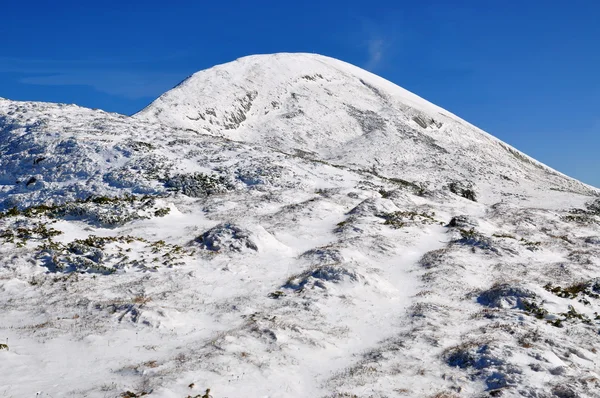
[131, 85]
[109, 76]
[379, 41]
[375, 48]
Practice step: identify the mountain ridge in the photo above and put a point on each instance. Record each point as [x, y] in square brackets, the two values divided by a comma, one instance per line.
[324, 109]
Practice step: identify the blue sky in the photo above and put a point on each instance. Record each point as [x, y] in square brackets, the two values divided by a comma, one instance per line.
[525, 71]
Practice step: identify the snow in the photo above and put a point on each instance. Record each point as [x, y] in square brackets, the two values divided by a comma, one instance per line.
[279, 226]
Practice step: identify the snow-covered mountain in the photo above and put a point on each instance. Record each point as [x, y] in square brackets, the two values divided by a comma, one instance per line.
[289, 225]
[334, 111]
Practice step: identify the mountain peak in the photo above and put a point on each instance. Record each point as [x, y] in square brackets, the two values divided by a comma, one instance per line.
[343, 114]
[280, 71]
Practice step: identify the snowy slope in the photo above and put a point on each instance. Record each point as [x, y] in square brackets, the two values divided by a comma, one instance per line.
[289, 225]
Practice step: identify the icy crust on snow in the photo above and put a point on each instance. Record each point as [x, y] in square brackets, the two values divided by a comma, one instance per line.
[138, 258]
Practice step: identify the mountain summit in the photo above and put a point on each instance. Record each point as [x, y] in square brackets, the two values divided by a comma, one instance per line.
[289, 225]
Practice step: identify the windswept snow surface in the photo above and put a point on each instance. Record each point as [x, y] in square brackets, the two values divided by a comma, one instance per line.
[289, 225]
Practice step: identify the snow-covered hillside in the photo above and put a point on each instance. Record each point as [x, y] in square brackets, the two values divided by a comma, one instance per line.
[289, 225]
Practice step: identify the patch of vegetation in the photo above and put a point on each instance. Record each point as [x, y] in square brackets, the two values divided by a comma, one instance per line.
[564, 238]
[578, 291]
[129, 394]
[530, 245]
[265, 173]
[534, 309]
[12, 212]
[106, 255]
[38, 232]
[474, 239]
[572, 314]
[444, 395]
[3, 347]
[586, 216]
[386, 194]
[399, 219]
[527, 339]
[198, 185]
[105, 210]
[503, 235]
[162, 212]
[433, 258]
[579, 218]
[313, 77]
[140, 145]
[416, 188]
[276, 294]
[103, 200]
[464, 190]
[466, 355]
[347, 224]
[571, 292]
[341, 225]
[594, 207]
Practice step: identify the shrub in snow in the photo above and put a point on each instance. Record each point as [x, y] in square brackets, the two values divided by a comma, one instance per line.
[465, 190]
[463, 221]
[433, 258]
[261, 174]
[594, 207]
[197, 185]
[399, 219]
[110, 212]
[475, 239]
[106, 255]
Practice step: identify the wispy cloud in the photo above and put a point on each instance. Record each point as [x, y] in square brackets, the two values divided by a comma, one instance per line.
[131, 85]
[120, 77]
[379, 41]
[376, 51]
